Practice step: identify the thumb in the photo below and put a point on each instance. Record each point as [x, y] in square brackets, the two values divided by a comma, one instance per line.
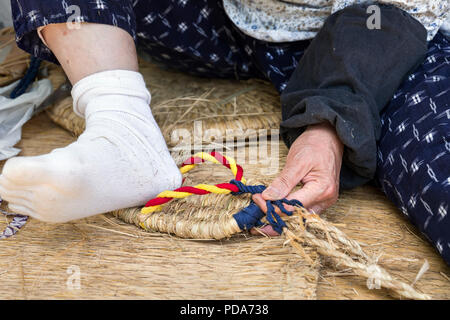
[312, 195]
[283, 184]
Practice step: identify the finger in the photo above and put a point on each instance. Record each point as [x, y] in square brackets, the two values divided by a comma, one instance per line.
[266, 230]
[261, 203]
[24, 170]
[5, 183]
[6, 193]
[23, 210]
[315, 195]
[12, 200]
[289, 177]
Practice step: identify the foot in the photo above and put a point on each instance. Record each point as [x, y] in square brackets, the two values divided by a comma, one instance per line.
[120, 161]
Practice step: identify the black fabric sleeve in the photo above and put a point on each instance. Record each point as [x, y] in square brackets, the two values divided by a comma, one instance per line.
[346, 76]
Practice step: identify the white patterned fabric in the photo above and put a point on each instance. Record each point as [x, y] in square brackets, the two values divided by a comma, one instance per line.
[293, 20]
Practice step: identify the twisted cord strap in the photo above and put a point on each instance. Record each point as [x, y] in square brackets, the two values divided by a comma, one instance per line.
[247, 218]
[27, 79]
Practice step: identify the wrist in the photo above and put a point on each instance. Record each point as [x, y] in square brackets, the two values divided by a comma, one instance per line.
[328, 134]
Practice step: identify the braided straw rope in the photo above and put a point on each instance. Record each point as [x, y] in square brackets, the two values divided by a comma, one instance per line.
[307, 228]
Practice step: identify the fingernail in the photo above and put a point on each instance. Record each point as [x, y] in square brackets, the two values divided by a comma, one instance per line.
[271, 192]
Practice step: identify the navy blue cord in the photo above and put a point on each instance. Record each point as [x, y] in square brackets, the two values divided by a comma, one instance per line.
[251, 216]
[243, 188]
[27, 79]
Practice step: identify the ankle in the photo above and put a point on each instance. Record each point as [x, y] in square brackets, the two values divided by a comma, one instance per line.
[119, 105]
[111, 89]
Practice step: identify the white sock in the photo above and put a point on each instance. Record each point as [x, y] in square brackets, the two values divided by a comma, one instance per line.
[120, 161]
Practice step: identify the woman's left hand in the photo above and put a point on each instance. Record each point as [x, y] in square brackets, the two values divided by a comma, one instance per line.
[315, 160]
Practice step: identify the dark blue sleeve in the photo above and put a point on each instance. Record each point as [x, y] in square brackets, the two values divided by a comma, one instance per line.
[29, 15]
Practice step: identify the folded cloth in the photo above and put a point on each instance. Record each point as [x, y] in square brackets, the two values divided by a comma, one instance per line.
[14, 113]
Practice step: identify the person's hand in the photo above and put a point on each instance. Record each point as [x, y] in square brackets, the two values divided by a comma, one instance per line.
[314, 160]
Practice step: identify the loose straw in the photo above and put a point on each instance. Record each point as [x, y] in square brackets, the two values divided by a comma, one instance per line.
[346, 253]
